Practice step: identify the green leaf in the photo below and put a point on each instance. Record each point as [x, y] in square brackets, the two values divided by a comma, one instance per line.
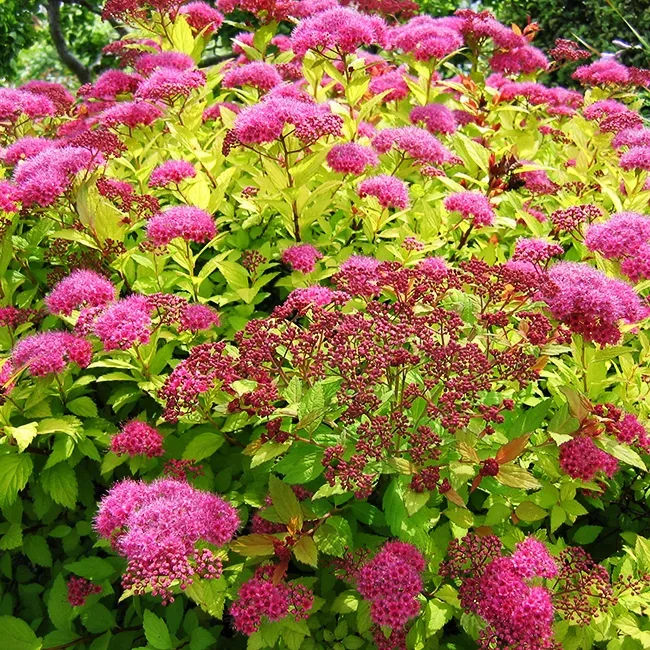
[209, 595]
[23, 435]
[253, 545]
[517, 477]
[36, 549]
[202, 446]
[15, 471]
[83, 406]
[301, 464]
[305, 551]
[558, 517]
[528, 511]
[17, 635]
[200, 639]
[437, 615]
[623, 453]
[58, 607]
[12, 538]
[334, 536]
[587, 534]
[92, 568]
[285, 502]
[98, 618]
[60, 482]
[155, 629]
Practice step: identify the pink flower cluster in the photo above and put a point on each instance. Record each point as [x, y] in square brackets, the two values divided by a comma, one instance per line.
[80, 289]
[79, 589]
[637, 157]
[413, 142]
[45, 177]
[426, 38]
[49, 353]
[24, 148]
[157, 527]
[604, 72]
[393, 81]
[437, 118]
[625, 237]
[260, 598]
[123, 323]
[536, 251]
[264, 122]
[137, 438]
[518, 613]
[519, 60]
[258, 74]
[171, 172]
[201, 17]
[15, 102]
[581, 458]
[391, 192]
[472, 205]
[186, 222]
[131, 114]
[392, 581]
[146, 64]
[302, 257]
[167, 84]
[351, 158]
[340, 29]
[590, 303]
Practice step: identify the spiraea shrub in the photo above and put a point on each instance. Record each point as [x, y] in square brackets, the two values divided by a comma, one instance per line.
[338, 343]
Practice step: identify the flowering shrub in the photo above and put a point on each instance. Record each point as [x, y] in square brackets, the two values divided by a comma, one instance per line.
[339, 343]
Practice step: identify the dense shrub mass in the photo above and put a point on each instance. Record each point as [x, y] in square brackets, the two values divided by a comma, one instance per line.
[339, 343]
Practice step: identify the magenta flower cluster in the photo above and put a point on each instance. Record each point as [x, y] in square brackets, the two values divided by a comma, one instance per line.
[137, 438]
[157, 527]
[392, 581]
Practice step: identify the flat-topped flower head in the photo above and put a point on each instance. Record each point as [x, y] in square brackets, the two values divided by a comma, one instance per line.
[50, 353]
[581, 458]
[637, 157]
[53, 91]
[623, 235]
[391, 582]
[519, 60]
[137, 438]
[261, 598]
[15, 102]
[257, 74]
[265, 122]
[414, 142]
[531, 559]
[131, 114]
[302, 257]
[590, 303]
[437, 118]
[351, 158]
[341, 29]
[186, 222]
[81, 288]
[604, 72]
[45, 177]
[201, 17]
[168, 84]
[151, 61]
[634, 137]
[471, 205]
[171, 172]
[392, 81]
[536, 251]
[124, 323]
[24, 148]
[196, 317]
[391, 192]
[426, 38]
[159, 527]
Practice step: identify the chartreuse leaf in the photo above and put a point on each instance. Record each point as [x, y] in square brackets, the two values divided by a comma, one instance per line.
[209, 595]
[15, 471]
[285, 502]
[305, 551]
[15, 634]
